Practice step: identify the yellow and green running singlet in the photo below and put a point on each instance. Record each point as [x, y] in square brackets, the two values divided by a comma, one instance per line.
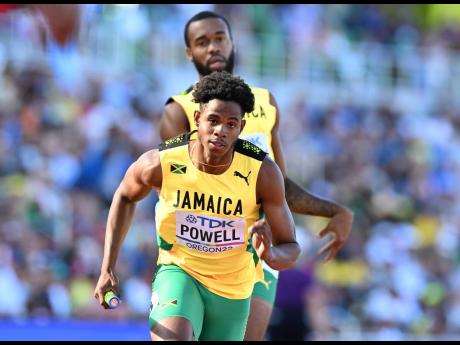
[203, 219]
[258, 130]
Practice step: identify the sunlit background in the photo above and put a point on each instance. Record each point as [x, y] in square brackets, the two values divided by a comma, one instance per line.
[369, 97]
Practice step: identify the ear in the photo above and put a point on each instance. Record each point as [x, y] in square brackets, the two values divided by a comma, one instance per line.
[188, 53]
[243, 123]
[197, 116]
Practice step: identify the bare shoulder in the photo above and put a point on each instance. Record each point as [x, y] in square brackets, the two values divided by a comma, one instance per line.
[150, 157]
[173, 121]
[269, 168]
[270, 177]
[273, 100]
[148, 168]
[174, 109]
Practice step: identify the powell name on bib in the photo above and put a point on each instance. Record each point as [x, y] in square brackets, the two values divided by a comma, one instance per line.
[209, 234]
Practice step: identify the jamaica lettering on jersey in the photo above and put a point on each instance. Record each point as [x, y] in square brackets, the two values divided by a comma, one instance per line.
[203, 219]
[259, 123]
[257, 113]
[209, 203]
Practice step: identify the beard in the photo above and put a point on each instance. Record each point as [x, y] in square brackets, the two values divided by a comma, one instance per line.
[204, 70]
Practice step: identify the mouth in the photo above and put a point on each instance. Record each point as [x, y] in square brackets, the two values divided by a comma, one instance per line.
[220, 145]
[216, 60]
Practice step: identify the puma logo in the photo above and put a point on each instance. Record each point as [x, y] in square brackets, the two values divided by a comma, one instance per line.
[266, 284]
[237, 173]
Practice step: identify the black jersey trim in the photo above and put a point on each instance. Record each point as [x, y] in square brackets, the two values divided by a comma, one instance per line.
[249, 149]
[178, 140]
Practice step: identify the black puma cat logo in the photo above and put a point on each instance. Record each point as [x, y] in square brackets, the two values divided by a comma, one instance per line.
[237, 173]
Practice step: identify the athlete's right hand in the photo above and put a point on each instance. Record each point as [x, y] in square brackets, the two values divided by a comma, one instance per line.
[261, 236]
[107, 281]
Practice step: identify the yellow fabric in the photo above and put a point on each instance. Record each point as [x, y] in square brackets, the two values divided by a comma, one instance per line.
[190, 213]
[259, 123]
[354, 272]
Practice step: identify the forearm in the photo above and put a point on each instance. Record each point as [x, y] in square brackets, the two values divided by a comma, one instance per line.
[283, 256]
[118, 223]
[303, 202]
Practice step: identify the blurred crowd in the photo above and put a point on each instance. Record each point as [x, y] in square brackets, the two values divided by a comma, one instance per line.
[69, 130]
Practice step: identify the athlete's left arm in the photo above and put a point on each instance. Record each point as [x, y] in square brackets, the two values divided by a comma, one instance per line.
[270, 192]
[303, 202]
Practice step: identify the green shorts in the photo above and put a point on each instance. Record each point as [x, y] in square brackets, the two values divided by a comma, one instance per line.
[176, 293]
[266, 290]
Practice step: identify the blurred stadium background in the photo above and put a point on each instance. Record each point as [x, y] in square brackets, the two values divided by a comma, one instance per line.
[370, 117]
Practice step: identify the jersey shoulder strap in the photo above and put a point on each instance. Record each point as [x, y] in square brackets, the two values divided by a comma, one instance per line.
[249, 149]
[178, 140]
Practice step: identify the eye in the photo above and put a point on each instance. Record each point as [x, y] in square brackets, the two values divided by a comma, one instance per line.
[201, 43]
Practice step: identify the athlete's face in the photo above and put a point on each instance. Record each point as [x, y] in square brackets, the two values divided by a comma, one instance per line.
[211, 48]
[219, 125]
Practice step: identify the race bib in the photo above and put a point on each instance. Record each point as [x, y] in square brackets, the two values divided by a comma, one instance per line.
[208, 234]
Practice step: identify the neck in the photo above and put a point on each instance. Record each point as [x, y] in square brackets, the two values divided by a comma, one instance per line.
[207, 164]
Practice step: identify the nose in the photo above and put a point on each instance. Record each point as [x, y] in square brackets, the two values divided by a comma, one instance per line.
[220, 131]
[214, 47]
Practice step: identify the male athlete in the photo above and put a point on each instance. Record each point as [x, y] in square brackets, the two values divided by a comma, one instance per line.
[211, 187]
[209, 45]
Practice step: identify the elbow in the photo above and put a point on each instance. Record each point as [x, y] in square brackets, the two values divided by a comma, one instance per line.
[122, 198]
[295, 255]
[290, 258]
[126, 200]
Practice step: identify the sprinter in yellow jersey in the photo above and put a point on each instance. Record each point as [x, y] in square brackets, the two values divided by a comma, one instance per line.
[211, 185]
[209, 45]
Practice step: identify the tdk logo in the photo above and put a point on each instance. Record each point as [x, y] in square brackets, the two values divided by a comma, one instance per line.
[210, 223]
